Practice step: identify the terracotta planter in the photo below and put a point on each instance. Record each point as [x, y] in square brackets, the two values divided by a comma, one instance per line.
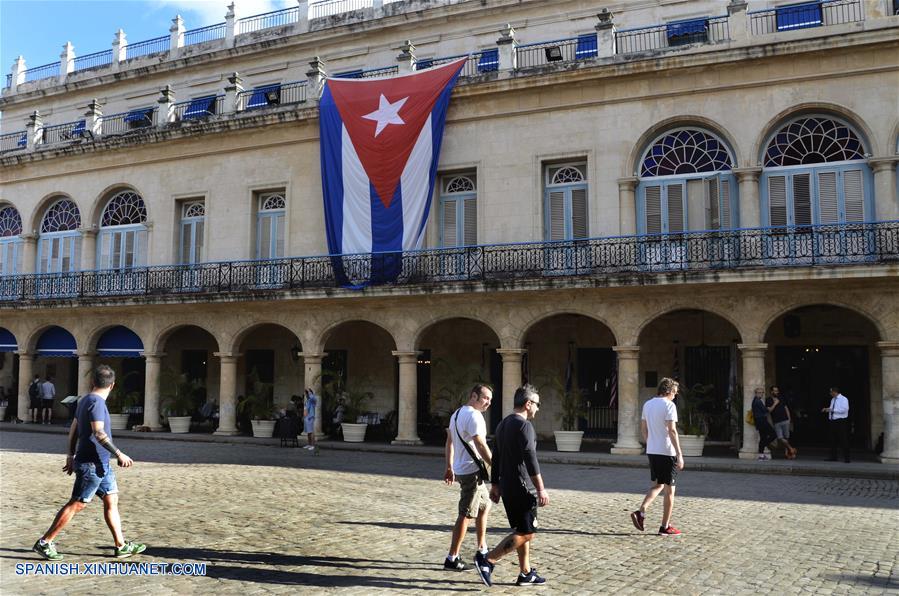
[118, 421]
[692, 445]
[353, 433]
[568, 440]
[179, 424]
[263, 429]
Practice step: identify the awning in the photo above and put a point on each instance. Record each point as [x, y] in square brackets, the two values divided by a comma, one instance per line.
[56, 341]
[7, 341]
[120, 342]
[260, 97]
[199, 108]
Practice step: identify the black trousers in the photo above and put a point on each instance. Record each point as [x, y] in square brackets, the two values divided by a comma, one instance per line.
[766, 434]
[839, 433]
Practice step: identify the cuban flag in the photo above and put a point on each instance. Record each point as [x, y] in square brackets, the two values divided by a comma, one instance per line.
[380, 143]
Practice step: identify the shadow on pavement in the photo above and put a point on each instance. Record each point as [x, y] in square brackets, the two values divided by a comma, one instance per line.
[448, 528]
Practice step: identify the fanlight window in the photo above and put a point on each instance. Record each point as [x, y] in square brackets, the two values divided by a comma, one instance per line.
[197, 209]
[272, 202]
[125, 208]
[62, 216]
[813, 140]
[10, 222]
[568, 175]
[687, 151]
[460, 184]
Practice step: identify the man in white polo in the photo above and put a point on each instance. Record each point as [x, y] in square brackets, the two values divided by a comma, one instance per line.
[838, 421]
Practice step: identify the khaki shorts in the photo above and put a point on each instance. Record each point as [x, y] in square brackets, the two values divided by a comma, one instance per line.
[474, 497]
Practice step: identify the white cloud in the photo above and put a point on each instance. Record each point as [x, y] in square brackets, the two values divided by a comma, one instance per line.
[199, 13]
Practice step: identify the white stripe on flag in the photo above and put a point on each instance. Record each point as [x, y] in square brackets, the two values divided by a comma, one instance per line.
[356, 235]
[415, 182]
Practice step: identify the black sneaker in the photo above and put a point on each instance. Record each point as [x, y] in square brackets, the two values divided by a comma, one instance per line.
[454, 564]
[637, 518]
[484, 568]
[531, 579]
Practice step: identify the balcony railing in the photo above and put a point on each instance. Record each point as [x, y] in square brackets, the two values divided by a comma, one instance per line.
[692, 252]
[477, 63]
[117, 124]
[385, 71]
[327, 8]
[276, 18]
[204, 34]
[670, 35]
[199, 108]
[148, 47]
[561, 50]
[94, 60]
[805, 16]
[38, 73]
[272, 95]
[12, 141]
[61, 133]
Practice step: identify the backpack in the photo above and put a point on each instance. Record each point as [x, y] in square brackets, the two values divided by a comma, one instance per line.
[34, 390]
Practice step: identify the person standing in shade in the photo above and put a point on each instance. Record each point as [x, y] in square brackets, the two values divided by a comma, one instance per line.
[48, 393]
[90, 445]
[516, 479]
[309, 406]
[466, 439]
[34, 399]
[838, 421]
[658, 424]
[767, 435]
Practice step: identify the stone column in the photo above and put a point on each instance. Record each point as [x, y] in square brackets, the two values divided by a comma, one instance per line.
[628, 441]
[34, 131]
[303, 19]
[230, 26]
[753, 376]
[511, 375]
[18, 74]
[176, 37]
[66, 62]
[93, 118]
[85, 368]
[315, 77]
[737, 21]
[312, 364]
[29, 253]
[232, 92]
[605, 34]
[227, 393]
[885, 202]
[889, 359]
[166, 105]
[406, 57]
[627, 206]
[88, 248]
[408, 407]
[26, 368]
[750, 204]
[508, 59]
[152, 373]
[119, 49]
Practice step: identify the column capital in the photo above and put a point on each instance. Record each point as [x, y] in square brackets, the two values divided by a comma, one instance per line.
[628, 183]
[312, 356]
[88, 231]
[405, 355]
[888, 348]
[153, 355]
[625, 352]
[757, 350]
[883, 164]
[225, 356]
[85, 355]
[25, 355]
[511, 353]
[28, 237]
[749, 173]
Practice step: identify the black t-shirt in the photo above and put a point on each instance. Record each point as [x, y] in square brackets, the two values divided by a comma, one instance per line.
[779, 413]
[515, 456]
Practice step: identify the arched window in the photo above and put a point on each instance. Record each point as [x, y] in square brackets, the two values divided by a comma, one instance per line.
[10, 242]
[458, 210]
[122, 242]
[193, 227]
[270, 225]
[686, 183]
[815, 173]
[565, 202]
[59, 248]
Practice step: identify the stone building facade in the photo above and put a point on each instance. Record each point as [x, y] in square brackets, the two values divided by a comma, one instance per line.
[626, 190]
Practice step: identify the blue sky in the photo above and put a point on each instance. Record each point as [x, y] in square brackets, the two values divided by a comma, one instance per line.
[37, 29]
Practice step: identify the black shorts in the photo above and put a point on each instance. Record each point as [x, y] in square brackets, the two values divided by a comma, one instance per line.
[662, 468]
[36, 403]
[521, 510]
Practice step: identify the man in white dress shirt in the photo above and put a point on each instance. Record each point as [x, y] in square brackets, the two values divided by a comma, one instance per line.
[838, 421]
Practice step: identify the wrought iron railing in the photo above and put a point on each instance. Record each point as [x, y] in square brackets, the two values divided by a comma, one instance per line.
[38, 73]
[147, 47]
[199, 108]
[69, 131]
[204, 34]
[692, 252]
[95, 60]
[13, 140]
[276, 18]
[670, 35]
[385, 71]
[561, 50]
[469, 70]
[805, 16]
[272, 95]
[327, 8]
[117, 124]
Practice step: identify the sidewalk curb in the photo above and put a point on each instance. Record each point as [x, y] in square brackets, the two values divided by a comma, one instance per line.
[865, 470]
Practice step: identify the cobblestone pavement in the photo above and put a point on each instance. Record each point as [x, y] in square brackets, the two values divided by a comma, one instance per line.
[271, 520]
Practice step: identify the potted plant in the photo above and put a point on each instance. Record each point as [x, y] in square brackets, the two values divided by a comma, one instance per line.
[695, 406]
[178, 399]
[354, 402]
[571, 409]
[259, 406]
[120, 403]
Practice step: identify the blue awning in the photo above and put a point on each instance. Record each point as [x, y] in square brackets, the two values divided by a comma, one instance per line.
[684, 32]
[7, 341]
[140, 116]
[56, 341]
[120, 342]
[586, 46]
[489, 61]
[199, 108]
[799, 16]
[259, 99]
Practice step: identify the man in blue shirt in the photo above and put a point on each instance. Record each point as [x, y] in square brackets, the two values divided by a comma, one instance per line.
[309, 408]
[90, 445]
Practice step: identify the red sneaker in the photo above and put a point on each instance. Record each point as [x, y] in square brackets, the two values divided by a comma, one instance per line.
[669, 531]
[637, 517]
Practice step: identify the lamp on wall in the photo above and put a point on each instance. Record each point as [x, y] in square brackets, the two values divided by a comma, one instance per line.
[295, 353]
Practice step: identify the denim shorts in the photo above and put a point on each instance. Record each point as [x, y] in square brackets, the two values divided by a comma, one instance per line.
[88, 484]
[308, 425]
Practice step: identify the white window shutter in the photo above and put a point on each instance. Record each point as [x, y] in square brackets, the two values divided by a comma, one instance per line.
[675, 201]
[653, 209]
[556, 215]
[579, 213]
[76, 254]
[105, 251]
[199, 238]
[470, 218]
[854, 195]
[449, 224]
[828, 204]
[725, 215]
[777, 200]
[279, 236]
[802, 200]
[713, 220]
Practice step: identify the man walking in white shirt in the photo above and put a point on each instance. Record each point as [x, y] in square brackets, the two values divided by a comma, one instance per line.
[838, 421]
[659, 427]
[467, 437]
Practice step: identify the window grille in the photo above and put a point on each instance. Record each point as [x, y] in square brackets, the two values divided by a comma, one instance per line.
[810, 140]
[62, 216]
[10, 222]
[125, 208]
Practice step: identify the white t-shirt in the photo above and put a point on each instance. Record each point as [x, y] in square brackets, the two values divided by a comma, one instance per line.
[656, 413]
[471, 424]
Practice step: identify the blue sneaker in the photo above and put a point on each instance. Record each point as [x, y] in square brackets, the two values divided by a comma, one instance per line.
[531, 579]
[484, 568]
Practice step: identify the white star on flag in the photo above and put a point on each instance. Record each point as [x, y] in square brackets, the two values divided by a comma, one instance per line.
[387, 113]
